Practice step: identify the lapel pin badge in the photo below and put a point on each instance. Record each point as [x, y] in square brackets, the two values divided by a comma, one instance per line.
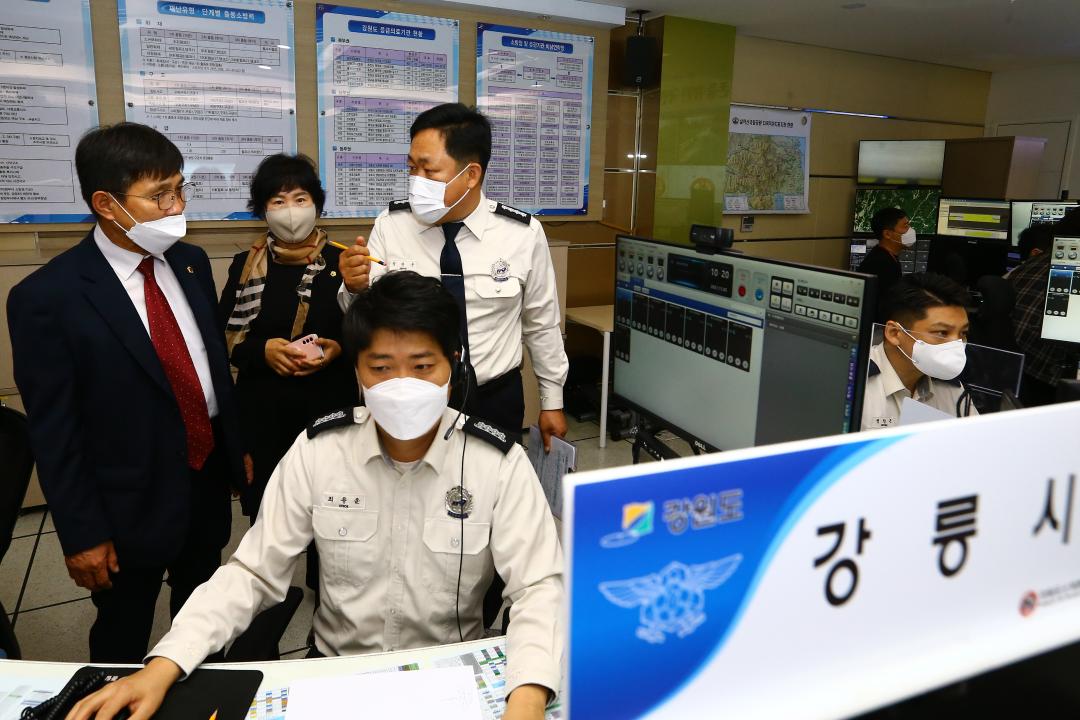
[191, 269]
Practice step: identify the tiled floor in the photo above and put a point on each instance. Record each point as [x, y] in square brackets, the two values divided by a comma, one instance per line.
[52, 616]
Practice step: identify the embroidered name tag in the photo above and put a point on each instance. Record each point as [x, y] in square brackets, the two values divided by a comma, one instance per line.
[344, 501]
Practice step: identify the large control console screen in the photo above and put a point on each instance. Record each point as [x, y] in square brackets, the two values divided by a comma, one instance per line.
[735, 351]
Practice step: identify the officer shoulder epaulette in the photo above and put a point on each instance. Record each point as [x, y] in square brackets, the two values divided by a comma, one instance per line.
[489, 433]
[513, 213]
[396, 205]
[873, 370]
[338, 418]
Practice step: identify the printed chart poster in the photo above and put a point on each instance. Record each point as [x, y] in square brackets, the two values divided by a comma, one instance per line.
[217, 79]
[536, 87]
[768, 164]
[377, 71]
[47, 102]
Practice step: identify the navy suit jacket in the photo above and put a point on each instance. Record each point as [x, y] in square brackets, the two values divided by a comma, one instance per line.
[105, 427]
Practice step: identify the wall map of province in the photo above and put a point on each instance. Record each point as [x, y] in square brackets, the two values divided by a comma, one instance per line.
[766, 169]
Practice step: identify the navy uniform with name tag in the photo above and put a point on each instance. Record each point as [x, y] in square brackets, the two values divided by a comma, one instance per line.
[510, 298]
[390, 538]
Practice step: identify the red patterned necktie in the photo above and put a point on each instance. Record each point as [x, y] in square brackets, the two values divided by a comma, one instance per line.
[171, 349]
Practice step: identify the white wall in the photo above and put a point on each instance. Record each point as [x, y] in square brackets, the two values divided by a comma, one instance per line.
[1047, 94]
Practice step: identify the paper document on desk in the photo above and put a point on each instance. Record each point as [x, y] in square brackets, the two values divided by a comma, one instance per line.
[269, 704]
[17, 693]
[550, 467]
[444, 693]
[913, 412]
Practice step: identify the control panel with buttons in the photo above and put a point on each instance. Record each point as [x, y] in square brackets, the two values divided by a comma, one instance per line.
[1061, 314]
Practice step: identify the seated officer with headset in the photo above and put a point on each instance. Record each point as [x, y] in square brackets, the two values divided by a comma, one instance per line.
[923, 353]
[412, 506]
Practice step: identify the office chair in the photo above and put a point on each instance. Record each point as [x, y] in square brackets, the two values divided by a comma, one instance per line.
[992, 325]
[18, 461]
[259, 642]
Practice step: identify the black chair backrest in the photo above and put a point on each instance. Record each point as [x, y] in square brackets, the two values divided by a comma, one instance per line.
[18, 464]
[992, 325]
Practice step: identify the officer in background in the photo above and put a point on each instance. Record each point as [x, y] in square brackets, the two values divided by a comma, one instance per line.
[413, 508]
[894, 234]
[493, 258]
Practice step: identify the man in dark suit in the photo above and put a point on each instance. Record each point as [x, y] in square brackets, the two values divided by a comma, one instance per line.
[123, 371]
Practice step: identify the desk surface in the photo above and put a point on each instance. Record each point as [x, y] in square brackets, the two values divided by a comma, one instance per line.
[598, 317]
[283, 674]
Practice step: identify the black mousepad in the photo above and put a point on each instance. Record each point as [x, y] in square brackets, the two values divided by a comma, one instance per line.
[228, 692]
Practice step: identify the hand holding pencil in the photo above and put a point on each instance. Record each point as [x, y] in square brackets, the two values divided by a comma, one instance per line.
[355, 264]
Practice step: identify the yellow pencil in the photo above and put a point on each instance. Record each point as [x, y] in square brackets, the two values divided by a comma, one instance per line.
[372, 258]
[214, 716]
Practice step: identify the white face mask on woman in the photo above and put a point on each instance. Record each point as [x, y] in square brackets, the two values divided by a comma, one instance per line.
[427, 198]
[406, 407]
[291, 224]
[155, 236]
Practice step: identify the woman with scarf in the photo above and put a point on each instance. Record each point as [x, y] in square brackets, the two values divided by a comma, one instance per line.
[282, 289]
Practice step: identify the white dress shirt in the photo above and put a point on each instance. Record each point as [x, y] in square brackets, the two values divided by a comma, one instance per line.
[885, 393]
[510, 292]
[389, 552]
[125, 264]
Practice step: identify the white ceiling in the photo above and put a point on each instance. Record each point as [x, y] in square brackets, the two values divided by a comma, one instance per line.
[982, 34]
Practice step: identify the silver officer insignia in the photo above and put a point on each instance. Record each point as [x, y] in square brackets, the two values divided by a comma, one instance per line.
[458, 502]
[500, 270]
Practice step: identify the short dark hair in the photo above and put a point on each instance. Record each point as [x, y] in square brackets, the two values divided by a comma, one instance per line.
[886, 219]
[910, 298]
[465, 130]
[115, 157]
[1036, 237]
[281, 173]
[402, 301]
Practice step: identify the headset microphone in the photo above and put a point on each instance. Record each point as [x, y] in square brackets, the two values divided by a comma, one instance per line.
[460, 373]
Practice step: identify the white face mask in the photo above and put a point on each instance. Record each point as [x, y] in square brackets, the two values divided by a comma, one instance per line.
[427, 198]
[406, 407]
[908, 239]
[291, 224]
[156, 236]
[942, 362]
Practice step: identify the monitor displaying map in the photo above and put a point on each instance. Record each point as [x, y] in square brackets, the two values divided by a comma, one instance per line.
[920, 204]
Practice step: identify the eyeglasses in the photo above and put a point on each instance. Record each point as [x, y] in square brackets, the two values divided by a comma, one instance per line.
[165, 200]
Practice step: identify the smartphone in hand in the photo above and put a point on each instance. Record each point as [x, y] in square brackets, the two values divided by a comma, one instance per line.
[309, 346]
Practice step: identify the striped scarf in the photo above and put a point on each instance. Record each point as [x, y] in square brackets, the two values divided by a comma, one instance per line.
[249, 288]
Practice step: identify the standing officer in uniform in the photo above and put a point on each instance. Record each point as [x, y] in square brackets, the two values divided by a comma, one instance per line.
[123, 370]
[413, 509]
[493, 258]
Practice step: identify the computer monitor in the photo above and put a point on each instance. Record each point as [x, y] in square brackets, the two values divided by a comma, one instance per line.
[920, 204]
[1061, 315]
[980, 219]
[733, 351]
[901, 162]
[965, 260]
[1026, 213]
